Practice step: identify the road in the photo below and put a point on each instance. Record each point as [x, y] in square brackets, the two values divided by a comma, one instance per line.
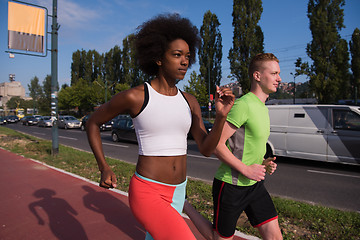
[332, 185]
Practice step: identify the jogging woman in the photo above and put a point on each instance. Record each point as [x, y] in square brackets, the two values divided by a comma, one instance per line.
[162, 115]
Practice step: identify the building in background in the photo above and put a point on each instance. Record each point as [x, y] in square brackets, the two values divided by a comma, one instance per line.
[8, 90]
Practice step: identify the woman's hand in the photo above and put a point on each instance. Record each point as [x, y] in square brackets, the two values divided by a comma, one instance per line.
[224, 100]
[108, 179]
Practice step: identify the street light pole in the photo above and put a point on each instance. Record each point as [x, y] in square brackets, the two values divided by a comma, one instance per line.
[294, 75]
[54, 80]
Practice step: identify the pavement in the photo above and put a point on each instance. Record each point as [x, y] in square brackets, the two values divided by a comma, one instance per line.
[38, 201]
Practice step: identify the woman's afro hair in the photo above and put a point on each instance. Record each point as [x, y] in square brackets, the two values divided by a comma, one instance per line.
[153, 37]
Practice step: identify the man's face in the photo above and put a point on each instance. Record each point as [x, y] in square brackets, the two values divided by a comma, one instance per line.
[269, 76]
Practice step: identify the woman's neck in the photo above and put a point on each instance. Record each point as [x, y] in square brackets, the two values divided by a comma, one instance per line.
[163, 86]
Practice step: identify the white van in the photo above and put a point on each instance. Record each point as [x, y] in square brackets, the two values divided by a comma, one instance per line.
[329, 133]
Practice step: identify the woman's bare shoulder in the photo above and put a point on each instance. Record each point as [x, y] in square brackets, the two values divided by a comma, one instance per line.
[191, 100]
[129, 101]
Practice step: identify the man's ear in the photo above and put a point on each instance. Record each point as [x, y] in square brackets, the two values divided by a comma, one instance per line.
[256, 76]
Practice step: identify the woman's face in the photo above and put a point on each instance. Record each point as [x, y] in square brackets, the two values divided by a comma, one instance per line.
[175, 62]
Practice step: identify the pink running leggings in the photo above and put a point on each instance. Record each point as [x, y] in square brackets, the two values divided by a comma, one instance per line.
[158, 206]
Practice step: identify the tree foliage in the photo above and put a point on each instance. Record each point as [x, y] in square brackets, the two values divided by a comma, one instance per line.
[15, 102]
[132, 73]
[355, 61]
[329, 76]
[197, 88]
[248, 39]
[35, 89]
[45, 99]
[113, 71]
[210, 52]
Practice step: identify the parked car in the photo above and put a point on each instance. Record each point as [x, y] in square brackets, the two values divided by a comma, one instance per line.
[329, 133]
[123, 129]
[83, 122]
[2, 121]
[68, 122]
[24, 119]
[103, 127]
[12, 119]
[29, 120]
[45, 121]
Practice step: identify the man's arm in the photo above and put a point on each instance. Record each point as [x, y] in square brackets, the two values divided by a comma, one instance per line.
[254, 172]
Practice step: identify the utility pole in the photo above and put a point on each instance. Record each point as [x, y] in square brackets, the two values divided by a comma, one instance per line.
[54, 80]
[294, 75]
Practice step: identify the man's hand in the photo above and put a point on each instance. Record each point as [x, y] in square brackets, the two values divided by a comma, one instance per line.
[108, 179]
[270, 165]
[255, 172]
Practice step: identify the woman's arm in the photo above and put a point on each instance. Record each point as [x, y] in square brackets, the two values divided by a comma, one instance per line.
[126, 102]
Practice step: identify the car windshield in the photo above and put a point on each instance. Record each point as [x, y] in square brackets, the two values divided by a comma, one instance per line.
[70, 118]
[46, 118]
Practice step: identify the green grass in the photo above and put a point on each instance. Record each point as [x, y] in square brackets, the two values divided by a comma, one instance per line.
[297, 220]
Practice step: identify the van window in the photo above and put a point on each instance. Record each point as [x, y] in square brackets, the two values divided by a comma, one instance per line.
[346, 120]
[299, 115]
[308, 117]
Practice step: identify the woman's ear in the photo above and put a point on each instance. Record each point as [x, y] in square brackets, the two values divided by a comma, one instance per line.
[158, 62]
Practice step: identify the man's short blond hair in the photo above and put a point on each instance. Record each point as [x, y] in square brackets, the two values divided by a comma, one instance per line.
[256, 62]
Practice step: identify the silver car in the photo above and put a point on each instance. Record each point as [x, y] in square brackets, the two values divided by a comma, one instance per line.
[45, 121]
[68, 122]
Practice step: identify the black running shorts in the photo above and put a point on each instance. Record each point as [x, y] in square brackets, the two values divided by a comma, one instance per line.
[231, 200]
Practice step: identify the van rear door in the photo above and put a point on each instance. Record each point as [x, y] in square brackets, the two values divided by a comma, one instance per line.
[344, 138]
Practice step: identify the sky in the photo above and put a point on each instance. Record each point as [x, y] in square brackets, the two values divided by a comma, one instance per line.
[100, 25]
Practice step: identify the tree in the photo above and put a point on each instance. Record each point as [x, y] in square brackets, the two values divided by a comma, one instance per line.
[210, 52]
[329, 77]
[121, 87]
[113, 71]
[76, 96]
[355, 62]
[248, 39]
[35, 90]
[131, 71]
[98, 65]
[77, 66]
[45, 103]
[15, 102]
[65, 98]
[197, 88]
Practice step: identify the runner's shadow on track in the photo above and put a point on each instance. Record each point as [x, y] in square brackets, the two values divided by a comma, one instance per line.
[62, 222]
[114, 211]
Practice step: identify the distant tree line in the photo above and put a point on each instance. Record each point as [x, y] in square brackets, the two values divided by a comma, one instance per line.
[95, 77]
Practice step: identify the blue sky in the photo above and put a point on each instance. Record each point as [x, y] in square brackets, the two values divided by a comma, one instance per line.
[100, 25]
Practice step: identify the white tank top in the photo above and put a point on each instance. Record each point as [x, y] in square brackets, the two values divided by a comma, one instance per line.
[163, 124]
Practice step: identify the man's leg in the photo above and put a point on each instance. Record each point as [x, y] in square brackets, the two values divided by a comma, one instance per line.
[270, 230]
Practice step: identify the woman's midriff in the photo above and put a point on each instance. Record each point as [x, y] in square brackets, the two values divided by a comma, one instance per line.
[170, 169]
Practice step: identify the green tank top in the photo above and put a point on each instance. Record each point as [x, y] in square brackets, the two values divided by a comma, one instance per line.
[248, 143]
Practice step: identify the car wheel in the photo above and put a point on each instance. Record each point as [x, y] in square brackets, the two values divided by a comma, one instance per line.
[115, 137]
[65, 127]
